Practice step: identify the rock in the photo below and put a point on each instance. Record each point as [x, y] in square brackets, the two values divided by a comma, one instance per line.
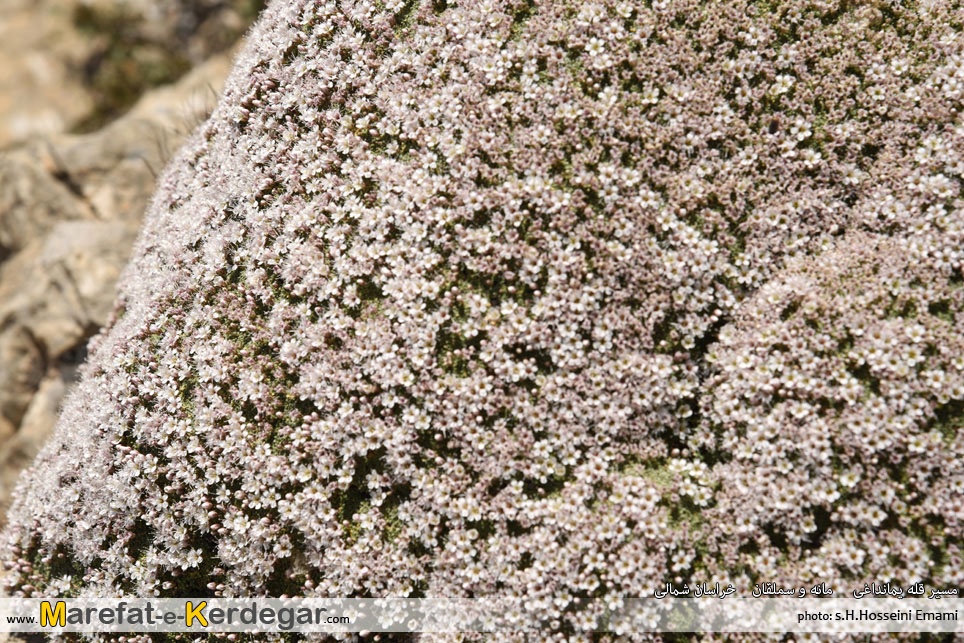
[67, 64]
[113, 170]
[90, 254]
[195, 29]
[69, 210]
[41, 91]
[61, 288]
[22, 364]
[39, 420]
[6, 429]
[70, 204]
[53, 296]
[32, 200]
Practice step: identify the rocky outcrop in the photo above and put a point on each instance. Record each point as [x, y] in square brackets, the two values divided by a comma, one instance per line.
[70, 63]
[41, 91]
[32, 201]
[70, 207]
[19, 450]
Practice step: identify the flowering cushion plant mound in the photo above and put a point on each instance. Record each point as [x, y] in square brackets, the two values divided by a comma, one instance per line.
[562, 300]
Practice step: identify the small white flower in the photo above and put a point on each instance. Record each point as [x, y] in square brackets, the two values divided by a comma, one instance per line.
[192, 559]
[915, 333]
[849, 478]
[594, 47]
[782, 84]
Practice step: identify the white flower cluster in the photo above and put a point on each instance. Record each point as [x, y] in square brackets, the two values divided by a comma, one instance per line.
[524, 298]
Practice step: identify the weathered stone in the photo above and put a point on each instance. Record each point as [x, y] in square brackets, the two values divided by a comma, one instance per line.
[32, 200]
[63, 287]
[17, 452]
[6, 429]
[59, 58]
[22, 364]
[70, 207]
[41, 91]
[113, 170]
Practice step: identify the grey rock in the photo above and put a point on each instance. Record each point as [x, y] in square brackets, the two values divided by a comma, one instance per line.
[32, 200]
[6, 429]
[17, 452]
[22, 365]
[60, 289]
[48, 57]
[40, 51]
[112, 171]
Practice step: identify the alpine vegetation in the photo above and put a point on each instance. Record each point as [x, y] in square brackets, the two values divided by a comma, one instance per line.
[562, 300]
